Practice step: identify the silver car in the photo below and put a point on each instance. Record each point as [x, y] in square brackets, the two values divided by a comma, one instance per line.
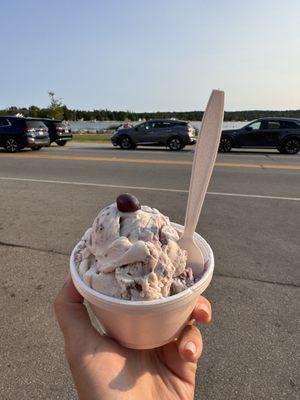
[171, 133]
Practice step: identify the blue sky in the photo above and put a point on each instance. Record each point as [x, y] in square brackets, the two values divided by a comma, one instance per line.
[150, 55]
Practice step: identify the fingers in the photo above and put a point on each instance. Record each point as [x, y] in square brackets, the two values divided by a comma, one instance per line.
[190, 344]
[202, 312]
[71, 313]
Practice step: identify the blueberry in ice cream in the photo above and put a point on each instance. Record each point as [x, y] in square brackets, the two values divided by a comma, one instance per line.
[131, 253]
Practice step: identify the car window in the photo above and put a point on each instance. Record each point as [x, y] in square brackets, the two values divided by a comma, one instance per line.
[162, 124]
[35, 124]
[272, 125]
[4, 122]
[59, 124]
[255, 125]
[289, 125]
[143, 126]
[52, 124]
[166, 124]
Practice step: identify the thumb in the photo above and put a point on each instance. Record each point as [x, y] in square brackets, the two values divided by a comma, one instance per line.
[72, 314]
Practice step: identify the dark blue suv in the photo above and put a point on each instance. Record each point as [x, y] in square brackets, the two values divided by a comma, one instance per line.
[19, 132]
[282, 134]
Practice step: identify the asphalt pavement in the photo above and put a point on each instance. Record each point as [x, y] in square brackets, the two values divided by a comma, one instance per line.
[250, 217]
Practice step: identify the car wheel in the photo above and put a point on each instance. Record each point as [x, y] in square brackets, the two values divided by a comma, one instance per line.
[36, 148]
[61, 143]
[11, 145]
[225, 145]
[175, 144]
[126, 143]
[290, 146]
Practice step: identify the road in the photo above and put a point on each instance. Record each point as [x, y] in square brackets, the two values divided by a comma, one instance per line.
[250, 217]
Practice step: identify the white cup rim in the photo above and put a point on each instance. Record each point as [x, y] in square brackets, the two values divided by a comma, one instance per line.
[209, 262]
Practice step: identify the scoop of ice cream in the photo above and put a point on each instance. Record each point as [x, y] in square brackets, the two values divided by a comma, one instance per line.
[131, 252]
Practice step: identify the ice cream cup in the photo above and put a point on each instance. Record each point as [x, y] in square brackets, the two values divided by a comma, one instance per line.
[146, 324]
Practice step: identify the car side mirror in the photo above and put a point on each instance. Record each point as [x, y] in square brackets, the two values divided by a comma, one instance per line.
[248, 128]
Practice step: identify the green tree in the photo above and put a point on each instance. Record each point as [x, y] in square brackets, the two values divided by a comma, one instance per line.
[33, 111]
[55, 109]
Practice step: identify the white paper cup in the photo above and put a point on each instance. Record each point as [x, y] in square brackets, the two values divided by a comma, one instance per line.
[146, 324]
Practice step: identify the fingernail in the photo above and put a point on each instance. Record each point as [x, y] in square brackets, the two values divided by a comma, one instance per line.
[204, 313]
[190, 347]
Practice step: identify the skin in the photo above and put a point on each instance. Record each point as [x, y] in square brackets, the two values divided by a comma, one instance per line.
[104, 370]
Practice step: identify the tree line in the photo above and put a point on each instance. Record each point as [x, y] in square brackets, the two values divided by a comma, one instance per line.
[58, 110]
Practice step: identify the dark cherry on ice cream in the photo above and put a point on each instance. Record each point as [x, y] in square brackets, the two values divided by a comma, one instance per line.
[128, 203]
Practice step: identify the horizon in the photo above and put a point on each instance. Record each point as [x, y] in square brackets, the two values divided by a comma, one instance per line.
[156, 111]
[160, 56]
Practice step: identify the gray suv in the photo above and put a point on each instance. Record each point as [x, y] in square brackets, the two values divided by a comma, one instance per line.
[174, 134]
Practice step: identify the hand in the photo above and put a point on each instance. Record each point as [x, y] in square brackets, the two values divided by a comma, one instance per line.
[104, 370]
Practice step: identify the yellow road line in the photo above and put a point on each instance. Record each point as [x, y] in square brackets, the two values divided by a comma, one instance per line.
[107, 159]
[148, 161]
[262, 166]
[242, 165]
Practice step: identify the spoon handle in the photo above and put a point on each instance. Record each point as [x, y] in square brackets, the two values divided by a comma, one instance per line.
[204, 159]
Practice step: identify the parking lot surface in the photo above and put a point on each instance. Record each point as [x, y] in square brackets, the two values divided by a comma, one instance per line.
[250, 217]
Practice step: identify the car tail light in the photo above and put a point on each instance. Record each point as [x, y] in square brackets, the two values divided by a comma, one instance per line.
[28, 130]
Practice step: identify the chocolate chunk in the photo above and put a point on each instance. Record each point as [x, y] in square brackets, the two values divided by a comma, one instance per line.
[127, 203]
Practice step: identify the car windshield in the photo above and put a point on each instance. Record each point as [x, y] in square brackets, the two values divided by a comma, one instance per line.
[247, 123]
[255, 125]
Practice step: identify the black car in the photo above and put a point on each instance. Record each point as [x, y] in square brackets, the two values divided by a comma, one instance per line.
[19, 132]
[59, 132]
[282, 134]
[172, 133]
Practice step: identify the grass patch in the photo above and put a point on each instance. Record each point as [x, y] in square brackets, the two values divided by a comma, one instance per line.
[85, 137]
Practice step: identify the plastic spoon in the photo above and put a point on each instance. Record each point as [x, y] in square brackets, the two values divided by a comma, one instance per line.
[203, 163]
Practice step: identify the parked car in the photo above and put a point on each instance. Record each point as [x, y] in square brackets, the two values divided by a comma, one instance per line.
[19, 132]
[282, 134]
[59, 132]
[174, 134]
